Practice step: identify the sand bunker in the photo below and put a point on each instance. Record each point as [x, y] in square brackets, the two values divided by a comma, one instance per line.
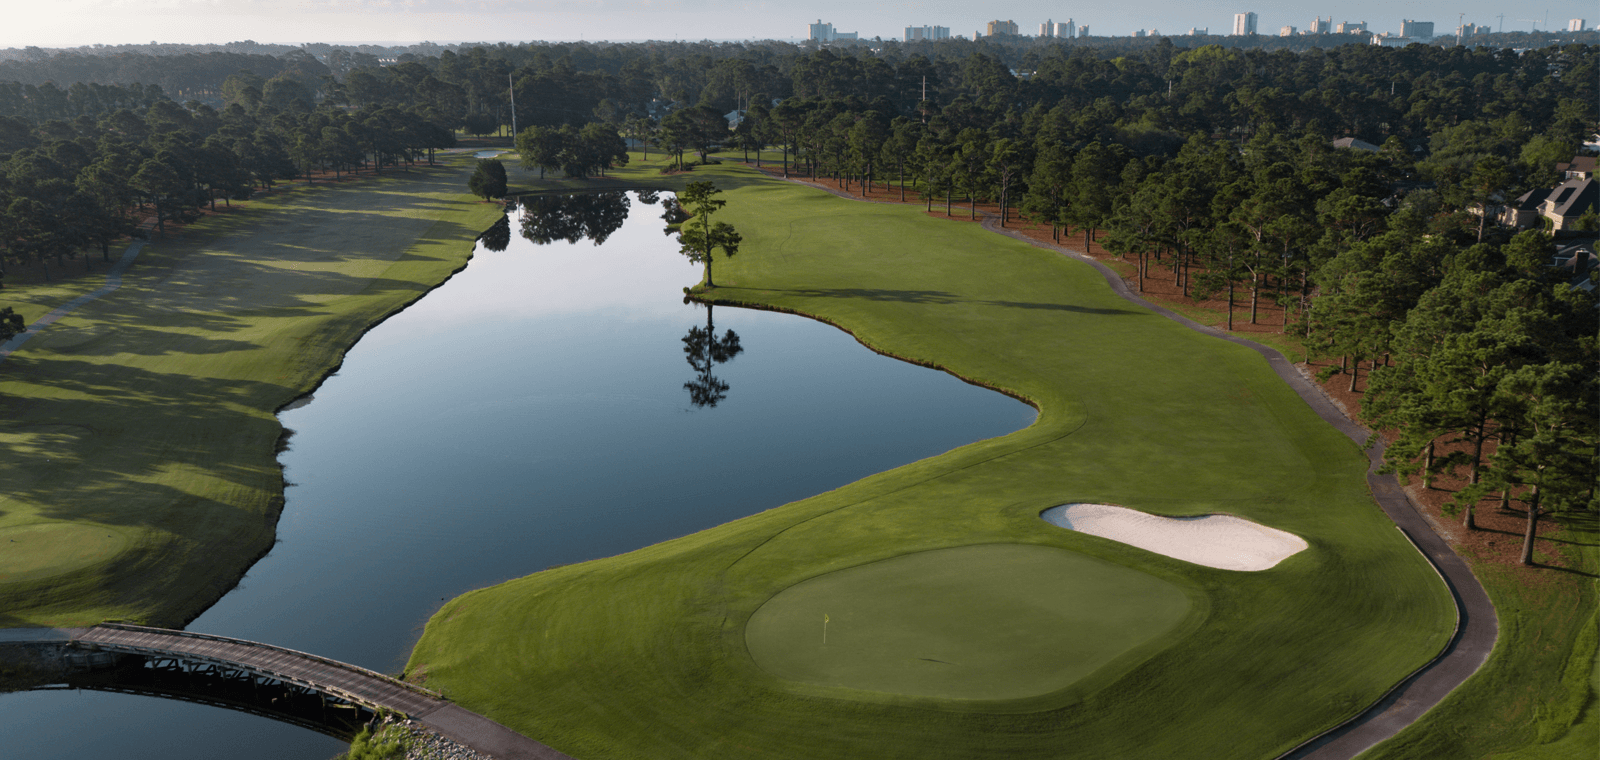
[1220, 541]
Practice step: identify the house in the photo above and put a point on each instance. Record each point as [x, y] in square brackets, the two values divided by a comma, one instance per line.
[1580, 167]
[1579, 262]
[1356, 143]
[1523, 212]
[1568, 201]
[735, 118]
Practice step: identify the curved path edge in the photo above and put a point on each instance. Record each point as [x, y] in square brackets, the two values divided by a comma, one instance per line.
[1477, 628]
[113, 281]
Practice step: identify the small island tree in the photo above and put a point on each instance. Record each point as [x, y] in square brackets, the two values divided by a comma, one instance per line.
[699, 236]
[489, 181]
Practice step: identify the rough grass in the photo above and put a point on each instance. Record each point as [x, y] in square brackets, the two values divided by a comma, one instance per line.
[643, 655]
[148, 414]
[1536, 696]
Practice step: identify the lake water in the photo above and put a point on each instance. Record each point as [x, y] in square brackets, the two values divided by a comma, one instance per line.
[539, 409]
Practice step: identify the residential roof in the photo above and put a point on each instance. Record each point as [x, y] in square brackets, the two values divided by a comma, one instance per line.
[1572, 197]
[1578, 165]
[1530, 200]
[1355, 142]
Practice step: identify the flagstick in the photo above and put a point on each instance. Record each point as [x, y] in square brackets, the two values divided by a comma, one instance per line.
[824, 628]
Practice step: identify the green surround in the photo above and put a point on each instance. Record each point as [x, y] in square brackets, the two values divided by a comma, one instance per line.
[645, 655]
[986, 622]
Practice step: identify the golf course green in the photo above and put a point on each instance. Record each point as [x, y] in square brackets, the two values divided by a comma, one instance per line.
[710, 645]
[992, 621]
[142, 483]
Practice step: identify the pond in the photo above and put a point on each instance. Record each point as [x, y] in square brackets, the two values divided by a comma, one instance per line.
[556, 401]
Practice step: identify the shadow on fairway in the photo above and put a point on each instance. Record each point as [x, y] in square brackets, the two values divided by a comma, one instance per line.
[932, 297]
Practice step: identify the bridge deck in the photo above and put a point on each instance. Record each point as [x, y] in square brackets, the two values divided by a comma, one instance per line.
[356, 684]
[329, 676]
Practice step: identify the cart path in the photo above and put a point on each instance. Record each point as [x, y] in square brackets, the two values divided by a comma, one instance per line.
[113, 281]
[1476, 624]
[1477, 628]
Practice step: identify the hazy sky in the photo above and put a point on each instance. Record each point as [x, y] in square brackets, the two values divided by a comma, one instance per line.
[69, 23]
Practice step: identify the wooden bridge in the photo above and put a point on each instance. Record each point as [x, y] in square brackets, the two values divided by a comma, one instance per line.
[235, 664]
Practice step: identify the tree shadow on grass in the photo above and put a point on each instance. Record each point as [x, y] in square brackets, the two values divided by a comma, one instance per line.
[933, 297]
[181, 459]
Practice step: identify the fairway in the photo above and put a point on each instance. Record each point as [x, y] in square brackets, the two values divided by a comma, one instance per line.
[995, 621]
[151, 409]
[702, 646]
[41, 550]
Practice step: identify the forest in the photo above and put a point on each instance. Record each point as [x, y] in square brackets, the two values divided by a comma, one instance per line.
[1213, 167]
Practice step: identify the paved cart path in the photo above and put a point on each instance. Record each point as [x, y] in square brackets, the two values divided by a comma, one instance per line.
[113, 281]
[1476, 627]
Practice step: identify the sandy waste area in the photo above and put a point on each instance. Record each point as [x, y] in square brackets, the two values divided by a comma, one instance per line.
[1221, 541]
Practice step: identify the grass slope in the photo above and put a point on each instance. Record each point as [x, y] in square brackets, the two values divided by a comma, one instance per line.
[991, 621]
[141, 478]
[643, 655]
[1535, 697]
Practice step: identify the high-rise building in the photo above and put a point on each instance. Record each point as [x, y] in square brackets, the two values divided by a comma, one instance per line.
[998, 28]
[1320, 27]
[821, 32]
[1244, 24]
[927, 33]
[1195, 31]
[1350, 27]
[1139, 34]
[1083, 31]
[1416, 30]
[1287, 31]
[1576, 25]
[1066, 29]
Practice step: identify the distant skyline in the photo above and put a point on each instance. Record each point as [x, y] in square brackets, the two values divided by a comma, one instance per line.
[72, 23]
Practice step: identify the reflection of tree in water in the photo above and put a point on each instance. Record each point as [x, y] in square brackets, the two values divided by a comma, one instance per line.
[673, 214]
[649, 197]
[704, 350]
[591, 216]
[496, 238]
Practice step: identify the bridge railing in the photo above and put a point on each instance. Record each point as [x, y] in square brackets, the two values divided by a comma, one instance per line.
[258, 645]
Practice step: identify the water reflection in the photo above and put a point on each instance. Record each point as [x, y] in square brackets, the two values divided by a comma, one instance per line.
[592, 216]
[704, 350]
[548, 394]
[497, 237]
[673, 214]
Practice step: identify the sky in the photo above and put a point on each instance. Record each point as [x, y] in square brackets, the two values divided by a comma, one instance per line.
[71, 23]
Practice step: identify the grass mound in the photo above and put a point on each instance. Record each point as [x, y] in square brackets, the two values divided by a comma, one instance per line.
[995, 621]
[45, 549]
[645, 655]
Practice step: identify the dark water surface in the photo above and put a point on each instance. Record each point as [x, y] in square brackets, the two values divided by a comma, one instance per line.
[539, 409]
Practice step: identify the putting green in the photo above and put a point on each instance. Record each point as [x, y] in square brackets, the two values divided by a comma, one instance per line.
[992, 621]
[41, 550]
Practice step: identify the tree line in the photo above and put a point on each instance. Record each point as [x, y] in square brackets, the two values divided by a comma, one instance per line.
[1212, 167]
[1468, 333]
[130, 156]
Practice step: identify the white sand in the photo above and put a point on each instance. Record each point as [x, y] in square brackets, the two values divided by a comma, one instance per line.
[1220, 541]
